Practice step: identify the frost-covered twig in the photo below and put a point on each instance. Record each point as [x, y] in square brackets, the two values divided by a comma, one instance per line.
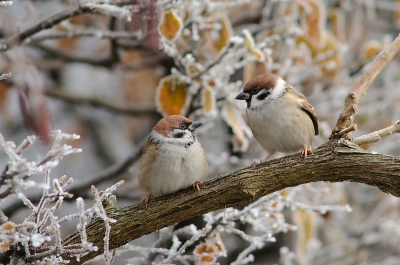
[100, 211]
[101, 34]
[42, 225]
[114, 10]
[7, 75]
[17, 173]
[377, 136]
[6, 3]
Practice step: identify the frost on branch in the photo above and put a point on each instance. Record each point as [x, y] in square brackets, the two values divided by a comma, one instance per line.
[38, 237]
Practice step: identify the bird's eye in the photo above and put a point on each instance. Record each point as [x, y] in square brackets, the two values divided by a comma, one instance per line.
[182, 126]
[255, 90]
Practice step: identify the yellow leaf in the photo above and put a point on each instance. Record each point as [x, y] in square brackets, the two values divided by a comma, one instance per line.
[370, 49]
[249, 40]
[306, 223]
[235, 121]
[397, 15]
[170, 25]
[332, 60]
[208, 100]
[336, 19]
[313, 21]
[224, 34]
[171, 96]
[258, 54]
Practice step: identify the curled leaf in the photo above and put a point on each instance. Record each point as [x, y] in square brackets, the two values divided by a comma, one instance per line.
[170, 25]
[236, 121]
[225, 33]
[208, 100]
[313, 22]
[172, 96]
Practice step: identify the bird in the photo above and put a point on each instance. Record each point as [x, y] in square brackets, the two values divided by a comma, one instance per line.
[279, 116]
[172, 158]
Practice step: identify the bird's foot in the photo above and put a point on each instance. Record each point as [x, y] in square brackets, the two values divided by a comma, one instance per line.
[306, 151]
[265, 159]
[197, 184]
[148, 198]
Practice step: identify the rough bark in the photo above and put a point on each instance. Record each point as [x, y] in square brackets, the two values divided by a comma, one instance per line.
[332, 162]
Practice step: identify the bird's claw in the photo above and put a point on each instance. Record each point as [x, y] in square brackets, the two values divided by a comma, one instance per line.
[305, 151]
[197, 184]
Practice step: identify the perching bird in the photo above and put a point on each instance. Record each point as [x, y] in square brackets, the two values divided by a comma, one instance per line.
[280, 117]
[172, 159]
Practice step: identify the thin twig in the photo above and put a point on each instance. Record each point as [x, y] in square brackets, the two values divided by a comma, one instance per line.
[350, 105]
[106, 175]
[113, 106]
[69, 57]
[44, 24]
[101, 34]
[377, 136]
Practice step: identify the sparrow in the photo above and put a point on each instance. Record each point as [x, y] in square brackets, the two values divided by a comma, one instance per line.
[279, 116]
[172, 158]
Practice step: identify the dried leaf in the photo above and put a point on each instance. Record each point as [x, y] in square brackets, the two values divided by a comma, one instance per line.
[208, 251]
[249, 40]
[170, 25]
[313, 21]
[306, 223]
[337, 20]
[330, 59]
[208, 100]
[370, 49]
[171, 96]
[397, 15]
[4, 89]
[235, 120]
[225, 33]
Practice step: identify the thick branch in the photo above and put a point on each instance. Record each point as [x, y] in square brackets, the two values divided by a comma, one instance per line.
[350, 105]
[331, 163]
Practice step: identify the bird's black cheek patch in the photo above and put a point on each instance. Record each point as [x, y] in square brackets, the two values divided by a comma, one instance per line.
[178, 135]
[263, 96]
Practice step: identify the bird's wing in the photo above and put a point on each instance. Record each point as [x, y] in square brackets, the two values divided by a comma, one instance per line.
[306, 107]
[149, 153]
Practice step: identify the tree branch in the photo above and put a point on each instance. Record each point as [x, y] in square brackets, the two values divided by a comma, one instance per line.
[70, 57]
[345, 118]
[101, 34]
[332, 162]
[49, 22]
[44, 24]
[113, 106]
[377, 136]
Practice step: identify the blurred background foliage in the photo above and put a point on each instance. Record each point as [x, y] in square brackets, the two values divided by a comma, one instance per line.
[109, 74]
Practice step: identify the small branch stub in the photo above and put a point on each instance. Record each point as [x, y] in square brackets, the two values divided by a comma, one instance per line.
[377, 136]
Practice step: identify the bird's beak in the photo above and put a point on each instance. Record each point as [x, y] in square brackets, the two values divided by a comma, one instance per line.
[243, 96]
[194, 125]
